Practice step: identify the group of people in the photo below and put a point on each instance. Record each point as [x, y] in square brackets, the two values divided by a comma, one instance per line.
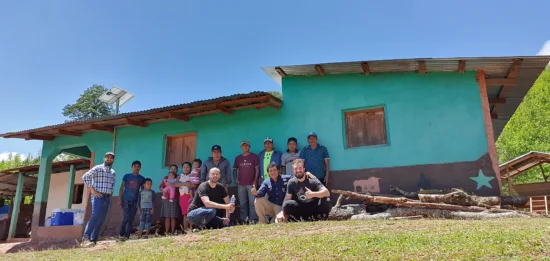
[272, 187]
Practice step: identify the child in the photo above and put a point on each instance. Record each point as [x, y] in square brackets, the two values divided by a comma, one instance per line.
[169, 191]
[197, 164]
[146, 205]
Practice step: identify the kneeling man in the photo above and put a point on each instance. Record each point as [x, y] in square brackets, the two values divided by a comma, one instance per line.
[306, 199]
[275, 189]
[210, 199]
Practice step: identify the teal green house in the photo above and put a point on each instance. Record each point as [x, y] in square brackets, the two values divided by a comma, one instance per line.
[411, 123]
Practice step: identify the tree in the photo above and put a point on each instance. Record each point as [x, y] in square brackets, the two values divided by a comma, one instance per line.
[89, 106]
[276, 94]
[528, 129]
[14, 161]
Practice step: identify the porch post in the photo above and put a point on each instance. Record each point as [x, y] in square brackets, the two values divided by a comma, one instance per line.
[42, 190]
[509, 179]
[16, 205]
[70, 190]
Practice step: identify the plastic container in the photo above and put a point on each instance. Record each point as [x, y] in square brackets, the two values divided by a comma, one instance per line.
[62, 218]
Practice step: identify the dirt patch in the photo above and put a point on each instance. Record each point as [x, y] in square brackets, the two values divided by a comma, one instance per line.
[38, 246]
[188, 238]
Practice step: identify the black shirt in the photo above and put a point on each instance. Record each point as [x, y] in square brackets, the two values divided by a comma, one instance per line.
[298, 189]
[216, 194]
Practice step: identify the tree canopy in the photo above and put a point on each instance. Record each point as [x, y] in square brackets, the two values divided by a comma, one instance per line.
[529, 128]
[89, 106]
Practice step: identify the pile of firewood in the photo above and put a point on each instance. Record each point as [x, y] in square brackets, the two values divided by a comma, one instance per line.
[451, 204]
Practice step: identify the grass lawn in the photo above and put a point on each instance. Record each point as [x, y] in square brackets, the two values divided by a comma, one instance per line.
[506, 239]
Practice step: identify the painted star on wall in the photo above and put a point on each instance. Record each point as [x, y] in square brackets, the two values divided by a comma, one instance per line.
[482, 180]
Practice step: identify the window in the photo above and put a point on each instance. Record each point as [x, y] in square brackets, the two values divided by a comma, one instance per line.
[78, 193]
[365, 127]
[180, 148]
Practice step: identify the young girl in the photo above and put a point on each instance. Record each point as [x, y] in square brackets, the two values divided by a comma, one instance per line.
[186, 192]
[169, 191]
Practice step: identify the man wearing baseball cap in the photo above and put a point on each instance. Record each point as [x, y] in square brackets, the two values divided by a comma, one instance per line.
[267, 156]
[245, 173]
[217, 161]
[100, 180]
[316, 159]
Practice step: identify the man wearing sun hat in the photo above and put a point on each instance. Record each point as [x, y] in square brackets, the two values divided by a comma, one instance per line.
[245, 173]
[268, 155]
[316, 158]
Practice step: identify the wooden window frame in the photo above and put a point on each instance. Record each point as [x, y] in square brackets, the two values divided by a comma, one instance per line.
[166, 153]
[374, 108]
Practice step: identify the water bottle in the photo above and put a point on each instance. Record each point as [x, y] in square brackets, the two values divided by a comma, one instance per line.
[232, 201]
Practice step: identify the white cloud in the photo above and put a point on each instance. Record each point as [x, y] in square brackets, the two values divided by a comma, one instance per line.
[4, 155]
[545, 50]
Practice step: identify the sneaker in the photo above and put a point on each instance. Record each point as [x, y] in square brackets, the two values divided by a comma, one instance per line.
[171, 200]
[144, 237]
[121, 239]
[87, 243]
[163, 197]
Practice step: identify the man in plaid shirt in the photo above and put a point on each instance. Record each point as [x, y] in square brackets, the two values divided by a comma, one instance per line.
[100, 180]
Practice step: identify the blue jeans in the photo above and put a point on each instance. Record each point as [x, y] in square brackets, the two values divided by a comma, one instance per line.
[145, 219]
[100, 207]
[246, 201]
[129, 209]
[205, 217]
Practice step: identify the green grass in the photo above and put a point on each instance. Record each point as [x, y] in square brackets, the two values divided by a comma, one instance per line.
[506, 239]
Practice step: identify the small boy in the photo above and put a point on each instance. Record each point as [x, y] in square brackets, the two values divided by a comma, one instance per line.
[169, 192]
[146, 207]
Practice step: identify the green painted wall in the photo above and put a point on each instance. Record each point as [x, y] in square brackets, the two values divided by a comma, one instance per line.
[432, 118]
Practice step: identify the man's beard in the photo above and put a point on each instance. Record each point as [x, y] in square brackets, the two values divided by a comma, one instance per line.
[299, 175]
[108, 164]
[214, 180]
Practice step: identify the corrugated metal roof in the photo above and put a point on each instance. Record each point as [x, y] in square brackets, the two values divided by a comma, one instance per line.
[494, 67]
[141, 115]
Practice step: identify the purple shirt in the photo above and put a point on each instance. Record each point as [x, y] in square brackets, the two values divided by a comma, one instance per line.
[246, 167]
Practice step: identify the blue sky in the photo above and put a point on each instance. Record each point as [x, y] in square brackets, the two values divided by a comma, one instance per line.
[171, 52]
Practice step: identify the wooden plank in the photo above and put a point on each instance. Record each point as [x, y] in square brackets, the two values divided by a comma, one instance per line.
[32, 136]
[531, 205]
[224, 109]
[542, 171]
[280, 71]
[69, 133]
[275, 103]
[499, 82]
[180, 117]
[136, 123]
[461, 66]
[545, 205]
[421, 67]
[509, 180]
[366, 69]
[319, 70]
[497, 100]
[101, 128]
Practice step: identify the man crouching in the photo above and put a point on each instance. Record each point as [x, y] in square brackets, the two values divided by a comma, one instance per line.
[306, 199]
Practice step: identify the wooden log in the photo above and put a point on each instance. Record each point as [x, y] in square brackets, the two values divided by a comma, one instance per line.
[413, 195]
[514, 200]
[459, 197]
[438, 213]
[346, 211]
[339, 201]
[404, 202]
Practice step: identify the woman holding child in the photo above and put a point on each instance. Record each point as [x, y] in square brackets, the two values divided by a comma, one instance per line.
[189, 180]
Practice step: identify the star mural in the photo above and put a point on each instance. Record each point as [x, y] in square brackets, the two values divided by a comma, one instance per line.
[482, 180]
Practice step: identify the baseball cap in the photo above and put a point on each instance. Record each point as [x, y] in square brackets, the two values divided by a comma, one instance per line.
[312, 134]
[110, 153]
[216, 147]
[268, 139]
[245, 142]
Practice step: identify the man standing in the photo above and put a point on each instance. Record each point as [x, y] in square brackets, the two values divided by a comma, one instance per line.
[101, 182]
[275, 189]
[267, 156]
[245, 173]
[316, 159]
[219, 162]
[289, 156]
[128, 198]
[211, 196]
[306, 199]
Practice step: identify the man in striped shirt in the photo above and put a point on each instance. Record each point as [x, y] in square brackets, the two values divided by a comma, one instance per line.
[100, 180]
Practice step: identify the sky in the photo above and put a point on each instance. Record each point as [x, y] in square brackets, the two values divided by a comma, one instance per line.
[172, 52]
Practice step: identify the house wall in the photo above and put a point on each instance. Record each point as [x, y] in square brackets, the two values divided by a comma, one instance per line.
[57, 196]
[435, 129]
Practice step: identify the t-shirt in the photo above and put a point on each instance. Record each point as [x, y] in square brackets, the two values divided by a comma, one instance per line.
[146, 199]
[267, 160]
[287, 159]
[132, 186]
[298, 189]
[246, 167]
[216, 194]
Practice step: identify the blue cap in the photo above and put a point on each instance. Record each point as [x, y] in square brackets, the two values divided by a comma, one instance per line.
[312, 134]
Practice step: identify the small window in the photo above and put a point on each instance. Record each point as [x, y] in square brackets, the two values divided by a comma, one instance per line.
[180, 148]
[365, 128]
[78, 193]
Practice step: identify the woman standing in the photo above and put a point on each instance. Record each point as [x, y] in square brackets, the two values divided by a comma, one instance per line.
[169, 210]
[289, 156]
[187, 182]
